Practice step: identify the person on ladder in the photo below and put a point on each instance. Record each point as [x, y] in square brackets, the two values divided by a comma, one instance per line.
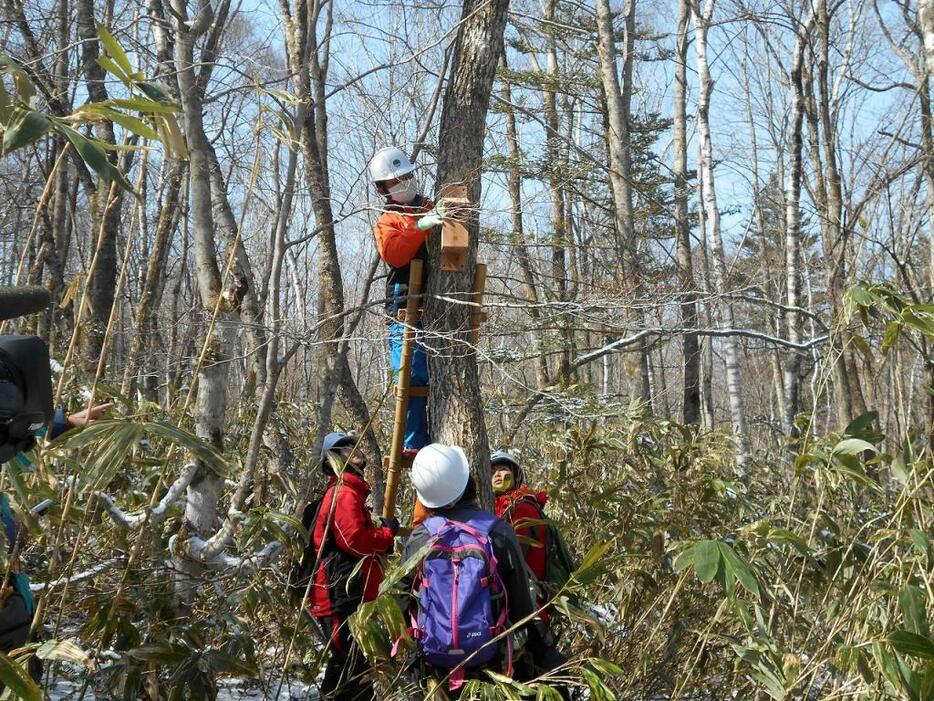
[401, 231]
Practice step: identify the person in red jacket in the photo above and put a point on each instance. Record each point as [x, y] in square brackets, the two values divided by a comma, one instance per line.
[344, 534]
[521, 508]
[401, 231]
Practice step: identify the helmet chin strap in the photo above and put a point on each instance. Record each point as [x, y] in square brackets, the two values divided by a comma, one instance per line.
[348, 466]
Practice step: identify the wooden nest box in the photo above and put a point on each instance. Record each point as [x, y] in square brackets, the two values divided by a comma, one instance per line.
[454, 238]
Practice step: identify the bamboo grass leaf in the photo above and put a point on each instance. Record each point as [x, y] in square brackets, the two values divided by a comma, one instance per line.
[24, 127]
[63, 651]
[706, 560]
[912, 644]
[114, 50]
[854, 446]
[739, 568]
[18, 680]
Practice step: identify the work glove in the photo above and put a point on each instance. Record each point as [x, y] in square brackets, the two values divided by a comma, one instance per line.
[432, 219]
[392, 524]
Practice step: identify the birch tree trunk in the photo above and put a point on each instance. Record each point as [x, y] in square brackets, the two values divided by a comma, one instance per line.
[708, 418]
[455, 403]
[792, 373]
[712, 219]
[205, 489]
[926, 19]
[690, 402]
[618, 103]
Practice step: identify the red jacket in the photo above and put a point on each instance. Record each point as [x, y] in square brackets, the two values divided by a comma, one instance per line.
[518, 507]
[352, 537]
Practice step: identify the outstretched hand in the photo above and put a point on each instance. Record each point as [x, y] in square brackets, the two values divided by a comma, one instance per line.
[81, 418]
[429, 221]
[392, 524]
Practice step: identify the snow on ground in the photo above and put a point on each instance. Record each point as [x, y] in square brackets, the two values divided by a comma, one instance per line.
[230, 690]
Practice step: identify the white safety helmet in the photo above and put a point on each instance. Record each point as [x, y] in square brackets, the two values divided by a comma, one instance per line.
[440, 473]
[390, 163]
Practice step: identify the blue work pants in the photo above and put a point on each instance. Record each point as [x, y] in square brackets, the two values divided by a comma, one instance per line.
[416, 421]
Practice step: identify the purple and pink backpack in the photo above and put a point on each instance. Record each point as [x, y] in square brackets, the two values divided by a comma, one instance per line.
[462, 603]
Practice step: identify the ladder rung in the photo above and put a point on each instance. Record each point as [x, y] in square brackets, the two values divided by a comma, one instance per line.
[402, 316]
[421, 391]
[403, 461]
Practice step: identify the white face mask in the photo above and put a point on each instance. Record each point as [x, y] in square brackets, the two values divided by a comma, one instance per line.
[404, 192]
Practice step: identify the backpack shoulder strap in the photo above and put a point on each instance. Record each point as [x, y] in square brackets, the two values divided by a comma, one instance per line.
[524, 498]
[310, 512]
[481, 524]
[9, 523]
[434, 524]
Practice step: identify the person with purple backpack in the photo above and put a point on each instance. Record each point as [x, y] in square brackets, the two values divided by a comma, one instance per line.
[472, 585]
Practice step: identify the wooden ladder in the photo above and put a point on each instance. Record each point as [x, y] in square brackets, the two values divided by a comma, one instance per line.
[411, 316]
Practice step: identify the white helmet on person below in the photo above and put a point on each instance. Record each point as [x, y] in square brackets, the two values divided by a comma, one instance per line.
[390, 163]
[503, 457]
[440, 474]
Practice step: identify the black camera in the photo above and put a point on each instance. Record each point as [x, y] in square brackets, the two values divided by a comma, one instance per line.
[25, 377]
[25, 392]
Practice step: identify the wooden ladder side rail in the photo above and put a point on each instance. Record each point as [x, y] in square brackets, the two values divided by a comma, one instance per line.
[403, 382]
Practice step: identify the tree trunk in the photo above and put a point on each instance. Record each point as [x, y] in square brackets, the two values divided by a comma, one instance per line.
[154, 283]
[108, 197]
[560, 238]
[514, 184]
[690, 402]
[455, 403]
[712, 219]
[272, 437]
[792, 373]
[309, 61]
[205, 489]
[618, 102]
[926, 26]
[926, 19]
[242, 273]
[828, 197]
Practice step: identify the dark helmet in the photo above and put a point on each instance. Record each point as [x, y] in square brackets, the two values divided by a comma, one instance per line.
[334, 441]
[502, 457]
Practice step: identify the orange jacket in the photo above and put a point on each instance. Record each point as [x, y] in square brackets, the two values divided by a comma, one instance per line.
[419, 514]
[397, 237]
